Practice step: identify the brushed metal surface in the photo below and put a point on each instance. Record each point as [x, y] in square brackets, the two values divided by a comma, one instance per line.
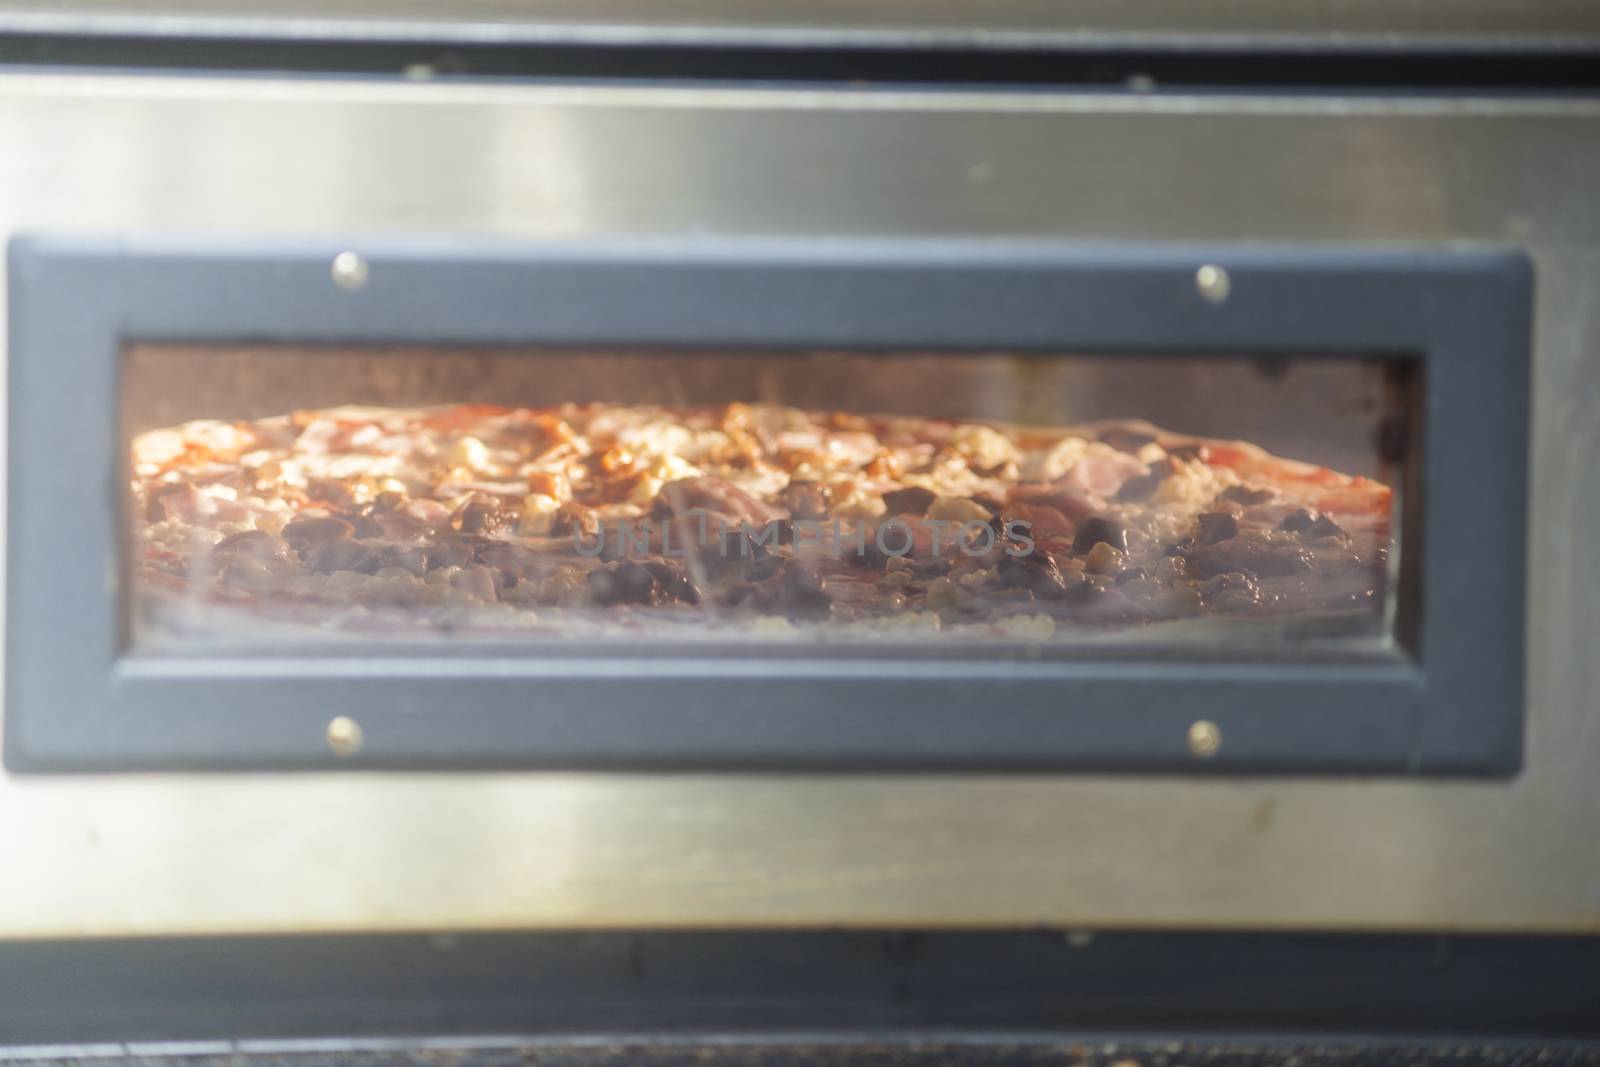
[136, 855]
[1387, 24]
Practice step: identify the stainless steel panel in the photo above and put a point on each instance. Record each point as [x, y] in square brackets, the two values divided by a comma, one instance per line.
[1384, 24]
[434, 852]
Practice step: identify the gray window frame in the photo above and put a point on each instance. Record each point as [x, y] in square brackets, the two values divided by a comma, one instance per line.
[76, 702]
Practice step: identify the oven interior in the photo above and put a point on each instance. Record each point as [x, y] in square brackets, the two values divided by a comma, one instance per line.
[476, 494]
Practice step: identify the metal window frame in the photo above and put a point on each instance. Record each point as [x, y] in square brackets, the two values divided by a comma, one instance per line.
[75, 701]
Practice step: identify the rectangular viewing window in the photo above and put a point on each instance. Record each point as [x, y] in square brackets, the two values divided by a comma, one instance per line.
[286, 499]
[765, 505]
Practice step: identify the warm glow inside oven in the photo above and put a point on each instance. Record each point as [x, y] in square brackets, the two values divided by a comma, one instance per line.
[936, 503]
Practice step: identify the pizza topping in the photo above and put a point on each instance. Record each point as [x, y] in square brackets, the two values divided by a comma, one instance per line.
[1141, 486]
[1192, 483]
[1217, 526]
[302, 533]
[959, 510]
[477, 516]
[340, 555]
[914, 500]
[1099, 529]
[538, 515]
[1038, 574]
[411, 560]
[253, 544]
[1251, 556]
[806, 500]
[480, 516]
[1103, 474]
[1127, 440]
[1246, 495]
[804, 591]
[1310, 525]
[572, 521]
[718, 497]
[1104, 558]
[1082, 593]
[448, 554]
[674, 582]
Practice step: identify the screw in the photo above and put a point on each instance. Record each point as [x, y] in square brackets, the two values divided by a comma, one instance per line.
[1213, 283]
[344, 736]
[349, 271]
[1205, 738]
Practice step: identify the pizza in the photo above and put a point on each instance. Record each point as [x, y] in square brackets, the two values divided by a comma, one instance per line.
[741, 521]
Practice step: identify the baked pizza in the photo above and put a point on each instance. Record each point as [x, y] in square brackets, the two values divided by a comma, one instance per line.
[740, 521]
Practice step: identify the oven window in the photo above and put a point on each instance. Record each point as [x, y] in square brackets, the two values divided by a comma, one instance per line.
[300, 499]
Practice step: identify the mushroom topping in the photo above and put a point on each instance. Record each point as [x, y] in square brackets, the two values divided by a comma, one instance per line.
[673, 581]
[481, 517]
[1244, 494]
[1311, 526]
[1081, 593]
[717, 496]
[913, 500]
[625, 583]
[804, 591]
[1251, 557]
[1143, 486]
[571, 519]
[513, 562]
[1037, 573]
[411, 559]
[806, 500]
[340, 555]
[1098, 529]
[448, 554]
[303, 532]
[1217, 526]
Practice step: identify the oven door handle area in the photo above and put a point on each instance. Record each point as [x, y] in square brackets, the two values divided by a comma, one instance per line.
[1450, 701]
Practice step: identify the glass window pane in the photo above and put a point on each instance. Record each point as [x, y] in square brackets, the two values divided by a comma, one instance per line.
[977, 503]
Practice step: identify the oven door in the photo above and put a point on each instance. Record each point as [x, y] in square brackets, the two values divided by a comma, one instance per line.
[767, 505]
[1374, 248]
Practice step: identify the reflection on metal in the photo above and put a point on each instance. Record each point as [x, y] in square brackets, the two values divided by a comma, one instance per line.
[165, 854]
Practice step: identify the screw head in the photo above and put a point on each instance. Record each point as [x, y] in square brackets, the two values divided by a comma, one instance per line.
[1213, 283]
[349, 271]
[1205, 738]
[344, 736]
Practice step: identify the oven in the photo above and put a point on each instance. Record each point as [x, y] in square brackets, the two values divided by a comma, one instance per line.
[1049, 504]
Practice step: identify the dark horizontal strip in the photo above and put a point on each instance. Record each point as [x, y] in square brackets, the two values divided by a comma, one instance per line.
[1367, 67]
[655, 984]
[811, 1050]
